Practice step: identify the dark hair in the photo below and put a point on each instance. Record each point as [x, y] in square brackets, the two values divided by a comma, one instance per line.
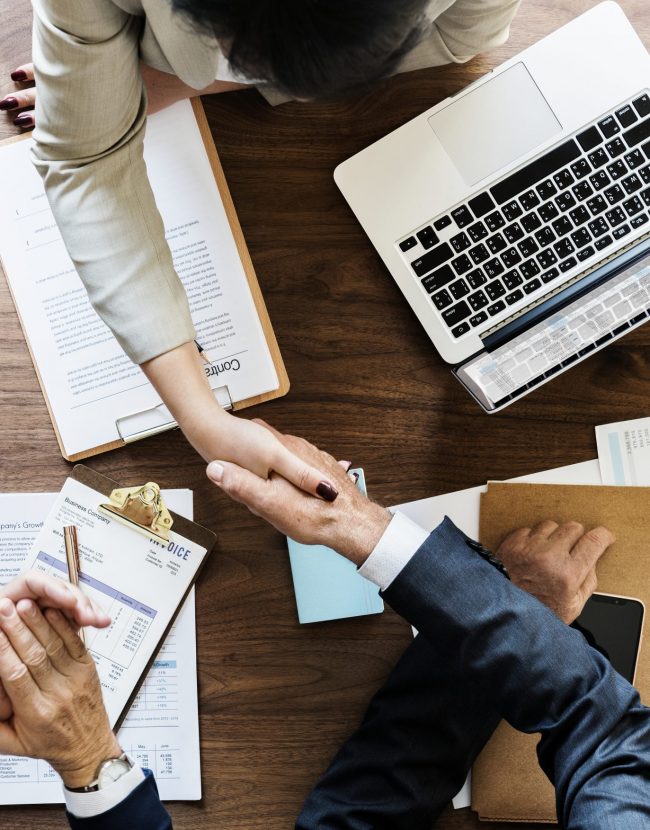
[310, 48]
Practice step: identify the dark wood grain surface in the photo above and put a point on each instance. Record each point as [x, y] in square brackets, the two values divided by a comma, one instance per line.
[277, 699]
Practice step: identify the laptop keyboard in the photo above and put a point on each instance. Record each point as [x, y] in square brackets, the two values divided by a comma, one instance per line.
[522, 236]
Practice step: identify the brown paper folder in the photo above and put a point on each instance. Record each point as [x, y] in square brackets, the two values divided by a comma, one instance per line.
[507, 784]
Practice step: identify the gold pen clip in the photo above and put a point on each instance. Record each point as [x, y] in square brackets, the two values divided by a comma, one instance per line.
[140, 508]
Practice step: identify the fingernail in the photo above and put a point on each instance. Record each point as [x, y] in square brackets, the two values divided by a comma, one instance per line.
[28, 608]
[24, 121]
[326, 491]
[9, 104]
[215, 472]
[19, 75]
[355, 477]
[6, 608]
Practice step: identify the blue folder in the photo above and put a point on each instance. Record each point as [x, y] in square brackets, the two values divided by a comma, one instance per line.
[328, 586]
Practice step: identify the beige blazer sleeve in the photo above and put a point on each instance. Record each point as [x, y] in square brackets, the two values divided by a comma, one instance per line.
[90, 118]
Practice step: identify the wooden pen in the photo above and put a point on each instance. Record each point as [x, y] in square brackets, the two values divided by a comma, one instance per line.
[73, 562]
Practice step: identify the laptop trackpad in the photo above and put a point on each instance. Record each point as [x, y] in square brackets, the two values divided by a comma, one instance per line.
[495, 124]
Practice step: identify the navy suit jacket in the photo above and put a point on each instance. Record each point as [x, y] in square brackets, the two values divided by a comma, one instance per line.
[141, 810]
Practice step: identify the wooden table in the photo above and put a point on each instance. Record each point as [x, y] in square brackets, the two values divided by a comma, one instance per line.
[277, 699]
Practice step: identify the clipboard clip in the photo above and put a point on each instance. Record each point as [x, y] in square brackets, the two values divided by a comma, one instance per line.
[140, 508]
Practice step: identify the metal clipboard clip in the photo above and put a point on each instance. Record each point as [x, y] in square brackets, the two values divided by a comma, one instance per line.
[159, 419]
[140, 508]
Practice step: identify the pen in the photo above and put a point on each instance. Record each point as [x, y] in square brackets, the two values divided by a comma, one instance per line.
[72, 559]
[203, 353]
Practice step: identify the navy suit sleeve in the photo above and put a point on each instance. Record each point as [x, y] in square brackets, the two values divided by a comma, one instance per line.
[539, 674]
[141, 810]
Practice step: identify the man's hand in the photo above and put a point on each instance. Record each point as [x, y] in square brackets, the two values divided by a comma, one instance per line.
[556, 563]
[352, 524]
[52, 683]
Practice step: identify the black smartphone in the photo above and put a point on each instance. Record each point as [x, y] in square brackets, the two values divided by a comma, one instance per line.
[613, 626]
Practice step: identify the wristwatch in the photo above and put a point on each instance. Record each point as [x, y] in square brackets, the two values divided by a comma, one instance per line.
[108, 773]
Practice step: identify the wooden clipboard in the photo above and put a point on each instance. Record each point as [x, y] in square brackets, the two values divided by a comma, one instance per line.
[184, 527]
[251, 276]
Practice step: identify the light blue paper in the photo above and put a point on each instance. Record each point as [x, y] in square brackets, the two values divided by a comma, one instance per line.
[328, 586]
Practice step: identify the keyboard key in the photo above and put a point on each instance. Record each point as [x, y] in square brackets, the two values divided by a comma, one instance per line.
[644, 173]
[549, 211]
[479, 253]
[438, 279]
[493, 268]
[549, 276]
[512, 279]
[598, 158]
[642, 105]
[529, 200]
[638, 221]
[511, 258]
[600, 180]
[512, 210]
[529, 269]
[531, 222]
[461, 264]
[609, 126]
[513, 233]
[496, 243]
[459, 289]
[617, 169]
[545, 236]
[531, 286]
[581, 237]
[582, 191]
[615, 216]
[528, 246]
[621, 231]
[456, 314]
[631, 184]
[546, 189]
[565, 201]
[598, 227]
[462, 216]
[476, 278]
[477, 231]
[568, 264]
[637, 134]
[589, 139]
[615, 148]
[562, 226]
[580, 215]
[459, 331]
[626, 116]
[603, 242]
[534, 172]
[597, 205]
[634, 159]
[460, 242]
[614, 194]
[427, 237]
[645, 195]
[481, 204]
[563, 248]
[479, 318]
[496, 308]
[585, 253]
[442, 299]
[563, 179]
[546, 258]
[495, 289]
[432, 259]
[580, 168]
[495, 221]
[477, 300]
[646, 149]
[633, 206]
[514, 297]
[409, 243]
[442, 223]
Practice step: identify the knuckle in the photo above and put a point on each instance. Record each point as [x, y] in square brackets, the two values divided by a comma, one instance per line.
[574, 526]
[18, 674]
[36, 658]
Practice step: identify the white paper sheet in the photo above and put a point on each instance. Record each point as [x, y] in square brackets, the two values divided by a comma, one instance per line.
[161, 730]
[89, 380]
[463, 508]
[624, 452]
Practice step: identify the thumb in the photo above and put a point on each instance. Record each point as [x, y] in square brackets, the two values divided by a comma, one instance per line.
[238, 483]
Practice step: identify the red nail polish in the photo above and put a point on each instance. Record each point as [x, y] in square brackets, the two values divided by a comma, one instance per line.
[326, 491]
[19, 76]
[24, 121]
[9, 104]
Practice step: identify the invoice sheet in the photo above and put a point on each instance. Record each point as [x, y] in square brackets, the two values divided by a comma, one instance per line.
[89, 381]
[161, 730]
[624, 452]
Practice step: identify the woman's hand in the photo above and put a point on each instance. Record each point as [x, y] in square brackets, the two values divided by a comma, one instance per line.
[23, 100]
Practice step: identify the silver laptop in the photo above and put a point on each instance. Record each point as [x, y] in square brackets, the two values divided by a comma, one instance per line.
[515, 216]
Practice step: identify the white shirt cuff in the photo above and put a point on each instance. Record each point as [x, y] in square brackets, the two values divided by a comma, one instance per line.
[86, 805]
[401, 539]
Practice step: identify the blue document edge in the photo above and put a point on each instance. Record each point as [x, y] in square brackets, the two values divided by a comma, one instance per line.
[328, 586]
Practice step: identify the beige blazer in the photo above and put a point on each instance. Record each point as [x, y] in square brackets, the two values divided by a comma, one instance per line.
[90, 119]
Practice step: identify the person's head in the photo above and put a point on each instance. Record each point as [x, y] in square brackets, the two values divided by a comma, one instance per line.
[311, 48]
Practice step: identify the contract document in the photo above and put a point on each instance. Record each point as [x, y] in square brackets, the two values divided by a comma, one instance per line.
[624, 452]
[97, 397]
[161, 730]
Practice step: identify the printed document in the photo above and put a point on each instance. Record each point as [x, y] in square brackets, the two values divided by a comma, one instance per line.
[161, 731]
[624, 452]
[89, 381]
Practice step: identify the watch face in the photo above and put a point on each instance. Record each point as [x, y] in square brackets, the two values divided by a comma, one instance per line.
[111, 771]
